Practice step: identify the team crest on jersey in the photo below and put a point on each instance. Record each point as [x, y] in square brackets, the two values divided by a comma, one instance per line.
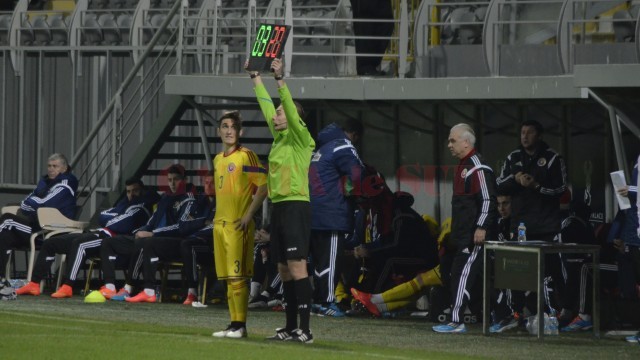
[542, 162]
[231, 167]
[316, 156]
[464, 173]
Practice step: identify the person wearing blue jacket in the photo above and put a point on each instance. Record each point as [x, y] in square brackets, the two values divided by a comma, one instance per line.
[57, 189]
[335, 172]
[174, 206]
[199, 233]
[128, 214]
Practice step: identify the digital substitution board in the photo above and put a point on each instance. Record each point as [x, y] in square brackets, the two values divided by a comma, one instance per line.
[269, 43]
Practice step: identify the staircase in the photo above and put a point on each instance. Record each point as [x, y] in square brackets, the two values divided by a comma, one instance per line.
[132, 140]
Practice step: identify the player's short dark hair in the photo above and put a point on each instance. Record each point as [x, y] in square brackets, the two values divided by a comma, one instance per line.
[133, 181]
[533, 123]
[353, 126]
[235, 118]
[177, 169]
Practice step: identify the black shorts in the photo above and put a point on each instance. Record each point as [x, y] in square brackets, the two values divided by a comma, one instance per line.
[290, 231]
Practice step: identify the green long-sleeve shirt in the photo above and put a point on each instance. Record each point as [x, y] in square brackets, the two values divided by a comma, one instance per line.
[291, 150]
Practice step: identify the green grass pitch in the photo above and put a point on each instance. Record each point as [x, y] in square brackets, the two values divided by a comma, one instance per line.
[45, 328]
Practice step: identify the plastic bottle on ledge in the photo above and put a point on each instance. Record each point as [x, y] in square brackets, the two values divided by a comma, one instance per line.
[522, 232]
[551, 324]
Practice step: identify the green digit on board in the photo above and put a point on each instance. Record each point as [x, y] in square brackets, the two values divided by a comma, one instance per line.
[256, 44]
[263, 40]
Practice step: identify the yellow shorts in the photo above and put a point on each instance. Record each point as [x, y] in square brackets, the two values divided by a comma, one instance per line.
[233, 250]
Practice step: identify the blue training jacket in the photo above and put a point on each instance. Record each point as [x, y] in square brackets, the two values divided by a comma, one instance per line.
[197, 227]
[59, 193]
[172, 209]
[127, 216]
[335, 171]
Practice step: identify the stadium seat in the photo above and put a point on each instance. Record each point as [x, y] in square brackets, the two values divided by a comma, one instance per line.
[155, 22]
[10, 209]
[117, 4]
[467, 33]
[26, 33]
[124, 26]
[41, 31]
[52, 223]
[624, 26]
[99, 4]
[5, 23]
[91, 32]
[110, 31]
[481, 12]
[131, 4]
[59, 29]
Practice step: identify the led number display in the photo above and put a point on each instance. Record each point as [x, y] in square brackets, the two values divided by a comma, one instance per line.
[269, 43]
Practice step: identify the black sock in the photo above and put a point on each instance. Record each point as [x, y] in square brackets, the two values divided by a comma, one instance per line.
[238, 324]
[291, 309]
[303, 294]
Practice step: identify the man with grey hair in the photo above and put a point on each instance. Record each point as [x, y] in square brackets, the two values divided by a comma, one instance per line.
[473, 220]
[56, 189]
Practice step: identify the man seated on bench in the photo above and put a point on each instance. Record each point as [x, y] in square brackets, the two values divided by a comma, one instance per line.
[56, 189]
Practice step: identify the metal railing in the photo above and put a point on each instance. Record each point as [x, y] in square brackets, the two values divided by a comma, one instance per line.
[321, 31]
[121, 117]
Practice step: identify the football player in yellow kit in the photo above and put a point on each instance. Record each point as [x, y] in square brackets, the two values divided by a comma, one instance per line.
[241, 187]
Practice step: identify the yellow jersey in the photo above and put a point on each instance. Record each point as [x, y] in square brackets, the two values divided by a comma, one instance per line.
[237, 175]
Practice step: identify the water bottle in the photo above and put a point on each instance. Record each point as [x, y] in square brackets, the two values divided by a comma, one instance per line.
[522, 232]
[551, 324]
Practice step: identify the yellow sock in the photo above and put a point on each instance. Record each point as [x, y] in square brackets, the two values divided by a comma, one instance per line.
[240, 294]
[231, 301]
[401, 292]
[341, 292]
[395, 305]
[412, 287]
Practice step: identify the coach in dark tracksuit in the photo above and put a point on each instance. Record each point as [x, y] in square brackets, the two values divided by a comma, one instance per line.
[335, 169]
[473, 210]
[535, 176]
[56, 189]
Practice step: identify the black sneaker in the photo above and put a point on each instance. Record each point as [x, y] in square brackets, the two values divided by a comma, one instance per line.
[301, 336]
[281, 334]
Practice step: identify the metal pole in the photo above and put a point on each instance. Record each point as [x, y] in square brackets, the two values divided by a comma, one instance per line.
[203, 139]
[615, 133]
[288, 47]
